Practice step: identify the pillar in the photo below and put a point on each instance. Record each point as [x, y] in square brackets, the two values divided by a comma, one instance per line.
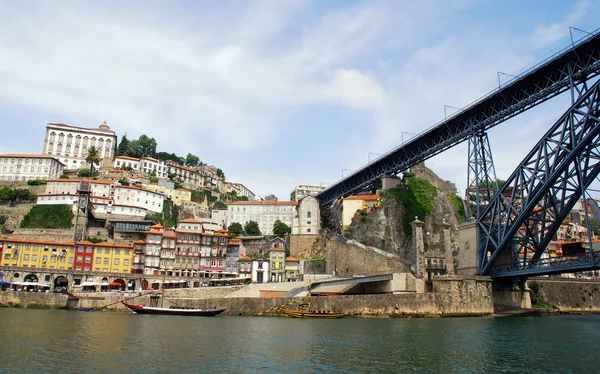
[418, 247]
[446, 246]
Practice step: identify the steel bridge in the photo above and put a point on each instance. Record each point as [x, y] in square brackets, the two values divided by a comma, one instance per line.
[515, 227]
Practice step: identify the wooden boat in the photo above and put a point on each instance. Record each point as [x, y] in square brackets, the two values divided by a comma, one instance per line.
[82, 309]
[307, 313]
[173, 311]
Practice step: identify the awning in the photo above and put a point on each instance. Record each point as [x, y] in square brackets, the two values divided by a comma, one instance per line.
[4, 283]
[114, 284]
[89, 284]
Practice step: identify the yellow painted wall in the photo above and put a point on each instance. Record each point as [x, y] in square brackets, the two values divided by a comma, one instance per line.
[349, 209]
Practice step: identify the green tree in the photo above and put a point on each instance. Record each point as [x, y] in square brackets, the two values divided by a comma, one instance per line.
[219, 205]
[251, 228]
[147, 145]
[123, 145]
[281, 229]
[235, 229]
[220, 173]
[64, 176]
[93, 158]
[192, 160]
[83, 173]
[134, 149]
[123, 181]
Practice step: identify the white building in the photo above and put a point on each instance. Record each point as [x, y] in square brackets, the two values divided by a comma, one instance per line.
[70, 144]
[127, 162]
[24, 167]
[304, 190]
[220, 216]
[204, 225]
[265, 213]
[240, 190]
[108, 196]
[260, 270]
[308, 220]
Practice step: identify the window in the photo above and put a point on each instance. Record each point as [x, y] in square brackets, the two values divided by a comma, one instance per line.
[88, 250]
[116, 261]
[98, 260]
[79, 258]
[125, 262]
[308, 214]
[25, 257]
[106, 261]
[88, 260]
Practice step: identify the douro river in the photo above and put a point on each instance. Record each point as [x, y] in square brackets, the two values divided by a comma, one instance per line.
[59, 341]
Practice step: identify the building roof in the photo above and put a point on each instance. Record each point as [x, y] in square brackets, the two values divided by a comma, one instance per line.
[291, 259]
[128, 158]
[78, 180]
[264, 203]
[189, 220]
[363, 197]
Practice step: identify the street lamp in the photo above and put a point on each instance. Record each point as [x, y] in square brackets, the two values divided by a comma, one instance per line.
[405, 132]
[343, 170]
[373, 153]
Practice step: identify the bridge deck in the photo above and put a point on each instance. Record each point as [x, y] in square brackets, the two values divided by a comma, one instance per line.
[543, 81]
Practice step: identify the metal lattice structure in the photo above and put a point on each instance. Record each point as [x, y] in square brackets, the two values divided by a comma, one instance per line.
[482, 183]
[521, 220]
[557, 74]
[84, 208]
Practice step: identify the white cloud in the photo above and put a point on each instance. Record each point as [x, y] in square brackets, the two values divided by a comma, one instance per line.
[547, 34]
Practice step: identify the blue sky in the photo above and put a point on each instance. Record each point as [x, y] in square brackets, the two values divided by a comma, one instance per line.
[275, 93]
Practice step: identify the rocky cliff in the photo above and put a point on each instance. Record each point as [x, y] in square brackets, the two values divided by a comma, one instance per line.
[383, 227]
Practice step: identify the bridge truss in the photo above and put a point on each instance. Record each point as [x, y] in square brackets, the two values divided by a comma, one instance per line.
[568, 68]
[523, 217]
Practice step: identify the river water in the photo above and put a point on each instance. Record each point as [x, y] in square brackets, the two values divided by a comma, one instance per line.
[50, 341]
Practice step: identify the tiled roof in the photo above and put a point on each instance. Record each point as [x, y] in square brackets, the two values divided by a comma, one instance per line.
[189, 220]
[76, 180]
[363, 197]
[292, 259]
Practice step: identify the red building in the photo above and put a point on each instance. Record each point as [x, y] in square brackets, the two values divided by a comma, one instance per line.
[84, 256]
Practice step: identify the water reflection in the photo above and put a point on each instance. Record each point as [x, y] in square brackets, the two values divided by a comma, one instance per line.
[54, 340]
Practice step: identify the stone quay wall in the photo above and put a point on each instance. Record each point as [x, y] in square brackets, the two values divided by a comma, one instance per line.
[454, 297]
[570, 295]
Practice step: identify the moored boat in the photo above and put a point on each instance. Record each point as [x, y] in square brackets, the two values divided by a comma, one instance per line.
[173, 311]
[299, 313]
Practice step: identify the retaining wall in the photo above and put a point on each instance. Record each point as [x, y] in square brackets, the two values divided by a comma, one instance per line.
[570, 295]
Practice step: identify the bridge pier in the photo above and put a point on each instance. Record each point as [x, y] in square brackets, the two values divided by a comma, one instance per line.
[509, 295]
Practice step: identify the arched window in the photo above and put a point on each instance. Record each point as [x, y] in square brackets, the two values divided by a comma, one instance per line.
[78, 139]
[61, 137]
[52, 136]
[69, 139]
[68, 149]
[85, 141]
[76, 151]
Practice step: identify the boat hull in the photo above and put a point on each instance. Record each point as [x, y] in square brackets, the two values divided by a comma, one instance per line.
[307, 314]
[141, 309]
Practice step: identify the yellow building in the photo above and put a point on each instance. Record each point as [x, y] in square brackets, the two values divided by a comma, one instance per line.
[177, 196]
[354, 203]
[47, 254]
[112, 258]
[50, 254]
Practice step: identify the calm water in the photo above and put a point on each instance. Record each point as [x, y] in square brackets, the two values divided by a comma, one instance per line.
[35, 341]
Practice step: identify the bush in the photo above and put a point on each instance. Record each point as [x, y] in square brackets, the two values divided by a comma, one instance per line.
[83, 172]
[35, 182]
[48, 216]
[416, 195]
[18, 195]
[64, 176]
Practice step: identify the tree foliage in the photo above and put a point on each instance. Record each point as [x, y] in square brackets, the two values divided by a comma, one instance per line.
[251, 228]
[168, 217]
[281, 229]
[64, 176]
[219, 205]
[417, 196]
[123, 145]
[93, 158]
[147, 145]
[220, 173]
[459, 206]
[35, 182]
[17, 195]
[236, 229]
[192, 160]
[48, 216]
[83, 173]
[123, 182]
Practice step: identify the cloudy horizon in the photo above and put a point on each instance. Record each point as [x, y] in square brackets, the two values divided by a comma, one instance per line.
[276, 94]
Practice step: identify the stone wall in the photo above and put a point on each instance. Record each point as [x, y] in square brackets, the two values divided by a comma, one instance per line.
[570, 295]
[466, 261]
[454, 296]
[304, 246]
[351, 259]
[14, 214]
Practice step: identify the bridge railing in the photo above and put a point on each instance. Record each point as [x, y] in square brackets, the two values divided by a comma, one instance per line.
[551, 265]
[527, 69]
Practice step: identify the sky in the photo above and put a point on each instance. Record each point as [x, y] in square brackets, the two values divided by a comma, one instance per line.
[277, 93]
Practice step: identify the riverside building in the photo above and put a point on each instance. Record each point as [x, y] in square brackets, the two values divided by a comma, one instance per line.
[25, 167]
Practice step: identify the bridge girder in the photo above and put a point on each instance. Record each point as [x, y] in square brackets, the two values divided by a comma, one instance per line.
[524, 215]
[548, 79]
